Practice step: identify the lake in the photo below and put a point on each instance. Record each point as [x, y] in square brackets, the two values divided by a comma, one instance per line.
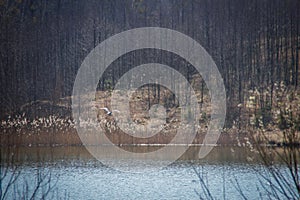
[75, 174]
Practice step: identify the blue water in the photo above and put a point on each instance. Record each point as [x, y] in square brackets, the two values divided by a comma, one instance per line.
[87, 178]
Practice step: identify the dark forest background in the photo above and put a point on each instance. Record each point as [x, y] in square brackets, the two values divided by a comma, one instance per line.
[255, 44]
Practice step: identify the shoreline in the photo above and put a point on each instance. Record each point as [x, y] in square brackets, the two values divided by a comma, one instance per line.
[71, 138]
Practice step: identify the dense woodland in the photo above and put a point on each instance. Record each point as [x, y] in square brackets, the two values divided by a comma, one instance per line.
[255, 45]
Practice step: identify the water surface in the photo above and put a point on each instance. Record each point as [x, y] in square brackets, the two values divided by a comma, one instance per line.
[77, 175]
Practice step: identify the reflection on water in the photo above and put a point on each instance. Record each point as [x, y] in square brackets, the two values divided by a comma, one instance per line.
[80, 176]
[79, 153]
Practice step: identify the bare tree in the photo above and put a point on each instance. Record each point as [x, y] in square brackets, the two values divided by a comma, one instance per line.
[12, 174]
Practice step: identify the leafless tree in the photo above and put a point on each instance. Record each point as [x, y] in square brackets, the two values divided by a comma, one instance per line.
[12, 174]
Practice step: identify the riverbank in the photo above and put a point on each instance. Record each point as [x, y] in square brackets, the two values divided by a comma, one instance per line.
[71, 138]
[45, 123]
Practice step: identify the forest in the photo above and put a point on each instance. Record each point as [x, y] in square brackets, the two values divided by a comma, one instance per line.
[255, 45]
